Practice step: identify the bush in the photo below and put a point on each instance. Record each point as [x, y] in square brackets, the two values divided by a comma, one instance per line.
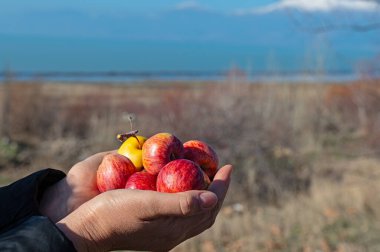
[9, 152]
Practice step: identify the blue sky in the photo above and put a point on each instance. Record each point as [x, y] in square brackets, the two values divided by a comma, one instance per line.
[96, 35]
[126, 18]
[10, 7]
[140, 6]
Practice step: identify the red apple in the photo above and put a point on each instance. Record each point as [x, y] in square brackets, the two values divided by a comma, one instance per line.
[113, 172]
[159, 150]
[142, 181]
[181, 175]
[203, 155]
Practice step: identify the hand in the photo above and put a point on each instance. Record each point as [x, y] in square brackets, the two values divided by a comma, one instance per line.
[129, 219]
[76, 188]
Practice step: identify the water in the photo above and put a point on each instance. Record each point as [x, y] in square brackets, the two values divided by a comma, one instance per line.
[99, 60]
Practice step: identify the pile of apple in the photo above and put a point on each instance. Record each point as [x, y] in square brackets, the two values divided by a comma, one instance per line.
[161, 163]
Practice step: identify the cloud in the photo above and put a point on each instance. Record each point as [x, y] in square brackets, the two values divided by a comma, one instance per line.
[315, 6]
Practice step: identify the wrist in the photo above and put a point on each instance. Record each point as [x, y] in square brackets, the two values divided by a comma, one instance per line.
[85, 230]
[53, 201]
[73, 234]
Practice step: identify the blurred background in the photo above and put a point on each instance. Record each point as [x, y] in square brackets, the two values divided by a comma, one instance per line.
[286, 90]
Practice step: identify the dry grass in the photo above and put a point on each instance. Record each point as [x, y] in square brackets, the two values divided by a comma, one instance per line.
[333, 216]
[306, 156]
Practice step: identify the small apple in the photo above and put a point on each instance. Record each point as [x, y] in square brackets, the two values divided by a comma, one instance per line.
[132, 149]
[181, 175]
[203, 155]
[159, 150]
[142, 181]
[113, 172]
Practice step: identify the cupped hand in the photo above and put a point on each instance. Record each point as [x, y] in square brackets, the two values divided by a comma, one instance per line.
[129, 219]
[78, 187]
[144, 220]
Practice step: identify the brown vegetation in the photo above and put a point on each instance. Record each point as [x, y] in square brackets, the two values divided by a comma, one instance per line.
[306, 156]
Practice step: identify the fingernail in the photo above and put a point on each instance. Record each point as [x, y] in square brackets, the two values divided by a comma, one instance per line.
[208, 199]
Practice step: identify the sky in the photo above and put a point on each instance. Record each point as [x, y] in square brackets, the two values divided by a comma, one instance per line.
[96, 35]
[9, 7]
[97, 18]
[141, 6]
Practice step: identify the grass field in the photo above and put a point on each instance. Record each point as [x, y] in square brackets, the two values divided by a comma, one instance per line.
[306, 156]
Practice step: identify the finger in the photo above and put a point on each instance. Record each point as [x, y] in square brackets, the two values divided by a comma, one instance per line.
[199, 227]
[182, 204]
[221, 182]
[219, 187]
[96, 159]
[195, 202]
[87, 167]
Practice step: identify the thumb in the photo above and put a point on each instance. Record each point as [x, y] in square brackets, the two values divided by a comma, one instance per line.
[184, 203]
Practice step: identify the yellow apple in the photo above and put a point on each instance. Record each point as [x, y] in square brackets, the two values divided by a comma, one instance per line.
[132, 149]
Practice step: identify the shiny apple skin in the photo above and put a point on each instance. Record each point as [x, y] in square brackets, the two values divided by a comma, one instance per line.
[113, 172]
[159, 150]
[142, 181]
[179, 176]
[203, 155]
[132, 149]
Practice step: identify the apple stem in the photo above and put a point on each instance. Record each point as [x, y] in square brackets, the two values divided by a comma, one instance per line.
[140, 146]
[123, 137]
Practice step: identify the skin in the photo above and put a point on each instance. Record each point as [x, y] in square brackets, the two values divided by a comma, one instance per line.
[129, 219]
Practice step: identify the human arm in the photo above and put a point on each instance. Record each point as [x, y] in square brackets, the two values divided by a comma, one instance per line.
[22, 228]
